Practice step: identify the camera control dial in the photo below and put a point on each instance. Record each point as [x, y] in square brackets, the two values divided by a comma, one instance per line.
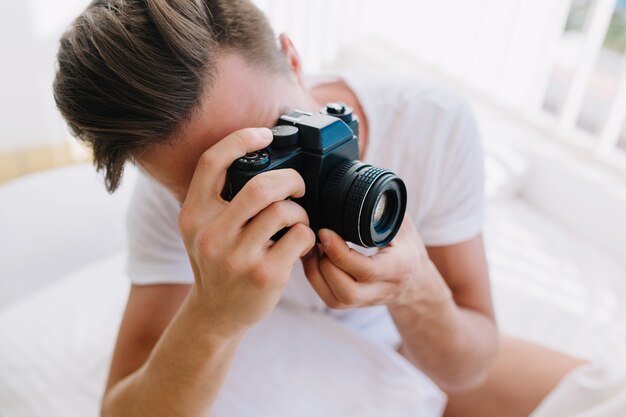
[338, 109]
[285, 136]
[253, 161]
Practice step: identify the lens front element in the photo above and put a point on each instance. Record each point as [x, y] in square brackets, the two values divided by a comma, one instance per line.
[379, 211]
[363, 203]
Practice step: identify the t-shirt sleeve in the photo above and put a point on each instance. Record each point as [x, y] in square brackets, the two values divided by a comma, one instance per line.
[456, 199]
[156, 253]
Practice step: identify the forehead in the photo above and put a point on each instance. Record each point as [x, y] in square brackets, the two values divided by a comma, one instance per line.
[239, 96]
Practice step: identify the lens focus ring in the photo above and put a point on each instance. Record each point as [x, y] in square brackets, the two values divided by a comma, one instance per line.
[363, 203]
[333, 191]
[355, 200]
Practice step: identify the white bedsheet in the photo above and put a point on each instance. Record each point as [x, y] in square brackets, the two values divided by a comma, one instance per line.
[55, 222]
[550, 286]
[554, 288]
[56, 344]
[597, 389]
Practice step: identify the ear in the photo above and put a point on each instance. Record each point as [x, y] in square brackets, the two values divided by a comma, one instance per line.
[293, 59]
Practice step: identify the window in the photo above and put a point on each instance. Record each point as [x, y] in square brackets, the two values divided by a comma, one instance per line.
[587, 88]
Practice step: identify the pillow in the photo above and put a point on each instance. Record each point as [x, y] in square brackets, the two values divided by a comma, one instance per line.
[54, 223]
[56, 344]
[56, 347]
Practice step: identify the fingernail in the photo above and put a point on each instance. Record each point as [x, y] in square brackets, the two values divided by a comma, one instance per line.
[324, 237]
[263, 132]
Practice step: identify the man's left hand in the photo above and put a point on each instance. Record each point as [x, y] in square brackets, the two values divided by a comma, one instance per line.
[345, 278]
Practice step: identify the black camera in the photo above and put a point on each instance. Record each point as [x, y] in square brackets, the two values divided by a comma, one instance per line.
[364, 204]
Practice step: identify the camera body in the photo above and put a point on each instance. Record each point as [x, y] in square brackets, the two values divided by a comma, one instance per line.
[324, 148]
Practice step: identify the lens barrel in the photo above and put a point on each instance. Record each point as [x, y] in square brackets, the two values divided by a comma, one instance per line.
[363, 203]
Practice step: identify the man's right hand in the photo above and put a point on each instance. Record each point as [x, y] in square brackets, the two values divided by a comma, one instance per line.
[176, 343]
[239, 271]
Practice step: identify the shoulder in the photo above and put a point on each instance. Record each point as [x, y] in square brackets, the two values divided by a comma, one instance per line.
[428, 135]
[388, 89]
[415, 124]
[412, 113]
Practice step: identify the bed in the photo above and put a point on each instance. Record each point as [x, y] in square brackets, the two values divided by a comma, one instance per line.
[63, 288]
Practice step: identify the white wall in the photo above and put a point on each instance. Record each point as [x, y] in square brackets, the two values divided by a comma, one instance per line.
[501, 48]
[28, 34]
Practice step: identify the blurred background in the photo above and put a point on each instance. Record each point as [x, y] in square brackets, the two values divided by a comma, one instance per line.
[546, 79]
[558, 63]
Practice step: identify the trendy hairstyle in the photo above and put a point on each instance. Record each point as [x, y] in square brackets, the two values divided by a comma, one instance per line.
[131, 72]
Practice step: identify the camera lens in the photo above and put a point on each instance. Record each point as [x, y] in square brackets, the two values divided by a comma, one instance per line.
[363, 203]
[379, 211]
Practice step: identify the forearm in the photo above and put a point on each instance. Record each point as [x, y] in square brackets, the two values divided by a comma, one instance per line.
[184, 372]
[452, 345]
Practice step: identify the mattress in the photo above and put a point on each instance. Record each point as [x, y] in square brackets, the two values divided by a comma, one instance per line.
[56, 336]
[56, 348]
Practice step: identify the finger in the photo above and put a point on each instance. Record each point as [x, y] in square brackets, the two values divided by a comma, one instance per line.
[263, 190]
[359, 266]
[298, 240]
[208, 178]
[345, 288]
[349, 292]
[273, 218]
[317, 281]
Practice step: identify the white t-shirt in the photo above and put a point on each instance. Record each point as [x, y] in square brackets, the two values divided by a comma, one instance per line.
[424, 134]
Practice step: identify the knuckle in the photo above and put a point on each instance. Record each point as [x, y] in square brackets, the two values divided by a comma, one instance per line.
[206, 244]
[186, 222]
[348, 298]
[337, 255]
[296, 178]
[261, 276]
[333, 303]
[242, 136]
[304, 233]
[388, 295]
[294, 174]
[209, 159]
[280, 210]
[370, 274]
[342, 306]
[258, 187]
[232, 265]
[309, 235]
[303, 218]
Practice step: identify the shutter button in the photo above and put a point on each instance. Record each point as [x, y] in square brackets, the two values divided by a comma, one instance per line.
[335, 108]
[338, 109]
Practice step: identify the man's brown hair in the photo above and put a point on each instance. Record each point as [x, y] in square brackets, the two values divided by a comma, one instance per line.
[131, 72]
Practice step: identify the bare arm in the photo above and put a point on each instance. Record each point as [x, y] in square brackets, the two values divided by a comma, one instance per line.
[183, 373]
[449, 332]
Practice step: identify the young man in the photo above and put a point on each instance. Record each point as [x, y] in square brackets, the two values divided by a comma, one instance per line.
[183, 88]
